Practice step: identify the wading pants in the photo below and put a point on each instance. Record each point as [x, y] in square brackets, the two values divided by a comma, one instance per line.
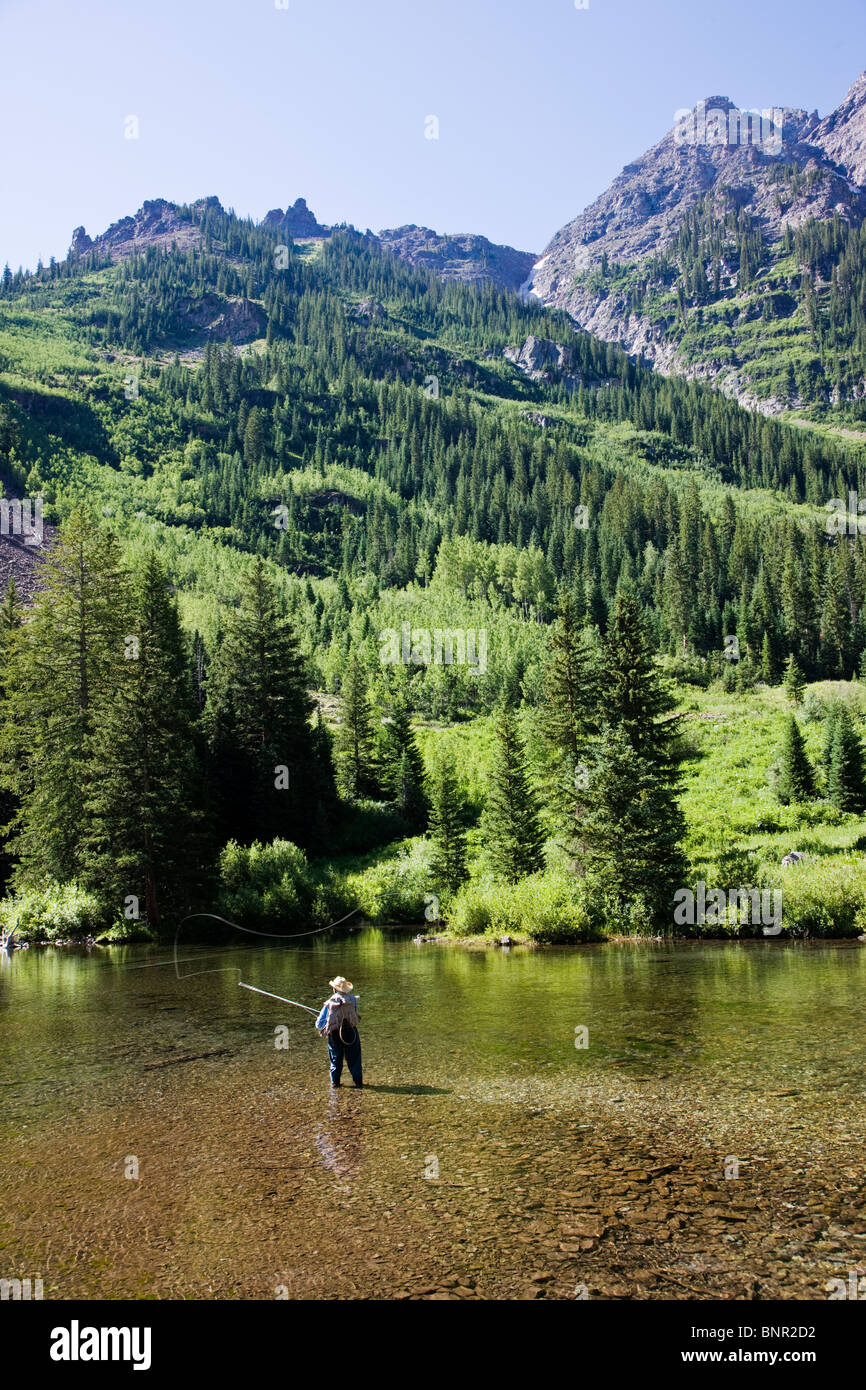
[351, 1053]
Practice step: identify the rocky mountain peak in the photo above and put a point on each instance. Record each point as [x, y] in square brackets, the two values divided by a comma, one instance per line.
[157, 223]
[842, 134]
[80, 243]
[716, 146]
[754, 173]
[297, 221]
[463, 256]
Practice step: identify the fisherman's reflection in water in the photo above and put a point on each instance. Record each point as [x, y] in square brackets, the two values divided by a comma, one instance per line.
[339, 1140]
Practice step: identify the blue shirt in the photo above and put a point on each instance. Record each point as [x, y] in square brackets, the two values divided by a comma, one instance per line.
[323, 1016]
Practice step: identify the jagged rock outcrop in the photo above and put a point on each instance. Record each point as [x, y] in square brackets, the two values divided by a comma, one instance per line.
[471, 259]
[842, 134]
[368, 309]
[297, 221]
[535, 417]
[541, 359]
[222, 319]
[80, 243]
[157, 223]
[160, 223]
[19, 560]
[464, 256]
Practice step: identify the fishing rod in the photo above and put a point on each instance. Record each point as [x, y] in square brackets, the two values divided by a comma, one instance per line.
[280, 936]
[281, 998]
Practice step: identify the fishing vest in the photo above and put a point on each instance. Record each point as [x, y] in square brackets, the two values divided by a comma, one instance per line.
[341, 1009]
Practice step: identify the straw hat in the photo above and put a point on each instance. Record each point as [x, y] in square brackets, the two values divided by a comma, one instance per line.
[341, 984]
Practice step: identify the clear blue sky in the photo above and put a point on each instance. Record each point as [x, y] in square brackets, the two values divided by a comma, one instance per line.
[539, 103]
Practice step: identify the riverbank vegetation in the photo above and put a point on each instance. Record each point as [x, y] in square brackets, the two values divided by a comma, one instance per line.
[150, 777]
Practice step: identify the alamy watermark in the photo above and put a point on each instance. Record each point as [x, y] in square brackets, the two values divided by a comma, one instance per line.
[846, 518]
[22, 518]
[21, 1290]
[855, 1288]
[747, 906]
[731, 126]
[418, 646]
[77, 1343]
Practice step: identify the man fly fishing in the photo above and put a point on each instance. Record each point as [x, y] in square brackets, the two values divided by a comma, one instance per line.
[338, 1022]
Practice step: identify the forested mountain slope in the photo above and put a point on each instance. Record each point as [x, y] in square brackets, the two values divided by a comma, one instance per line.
[376, 433]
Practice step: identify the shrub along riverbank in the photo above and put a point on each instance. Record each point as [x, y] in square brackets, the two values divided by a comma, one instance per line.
[738, 832]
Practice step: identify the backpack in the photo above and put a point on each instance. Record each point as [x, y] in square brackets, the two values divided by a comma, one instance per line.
[342, 1018]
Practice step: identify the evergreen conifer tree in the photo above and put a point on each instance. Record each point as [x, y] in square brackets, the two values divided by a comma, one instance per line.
[846, 782]
[830, 721]
[10, 621]
[796, 777]
[355, 742]
[10, 610]
[269, 771]
[570, 711]
[633, 837]
[403, 765]
[145, 802]
[632, 831]
[447, 826]
[511, 826]
[63, 666]
[794, 682]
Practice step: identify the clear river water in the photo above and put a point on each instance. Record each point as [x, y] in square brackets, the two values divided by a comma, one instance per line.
[166, 1134]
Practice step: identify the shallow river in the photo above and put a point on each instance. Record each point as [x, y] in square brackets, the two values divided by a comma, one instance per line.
[707, 1141]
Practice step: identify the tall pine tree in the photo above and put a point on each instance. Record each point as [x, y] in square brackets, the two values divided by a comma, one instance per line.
[846, 783]
[632, 832]
[570, 711]
[796, 780]
[511, 825]
[64, 665]
[146, 817]
[269, 769]
[403, 765]
[10, 621]
[794, 682]
[634, 827]
[355, 742]
[447, 826]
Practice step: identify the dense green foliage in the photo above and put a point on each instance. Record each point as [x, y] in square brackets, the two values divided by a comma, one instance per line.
[368, 471]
